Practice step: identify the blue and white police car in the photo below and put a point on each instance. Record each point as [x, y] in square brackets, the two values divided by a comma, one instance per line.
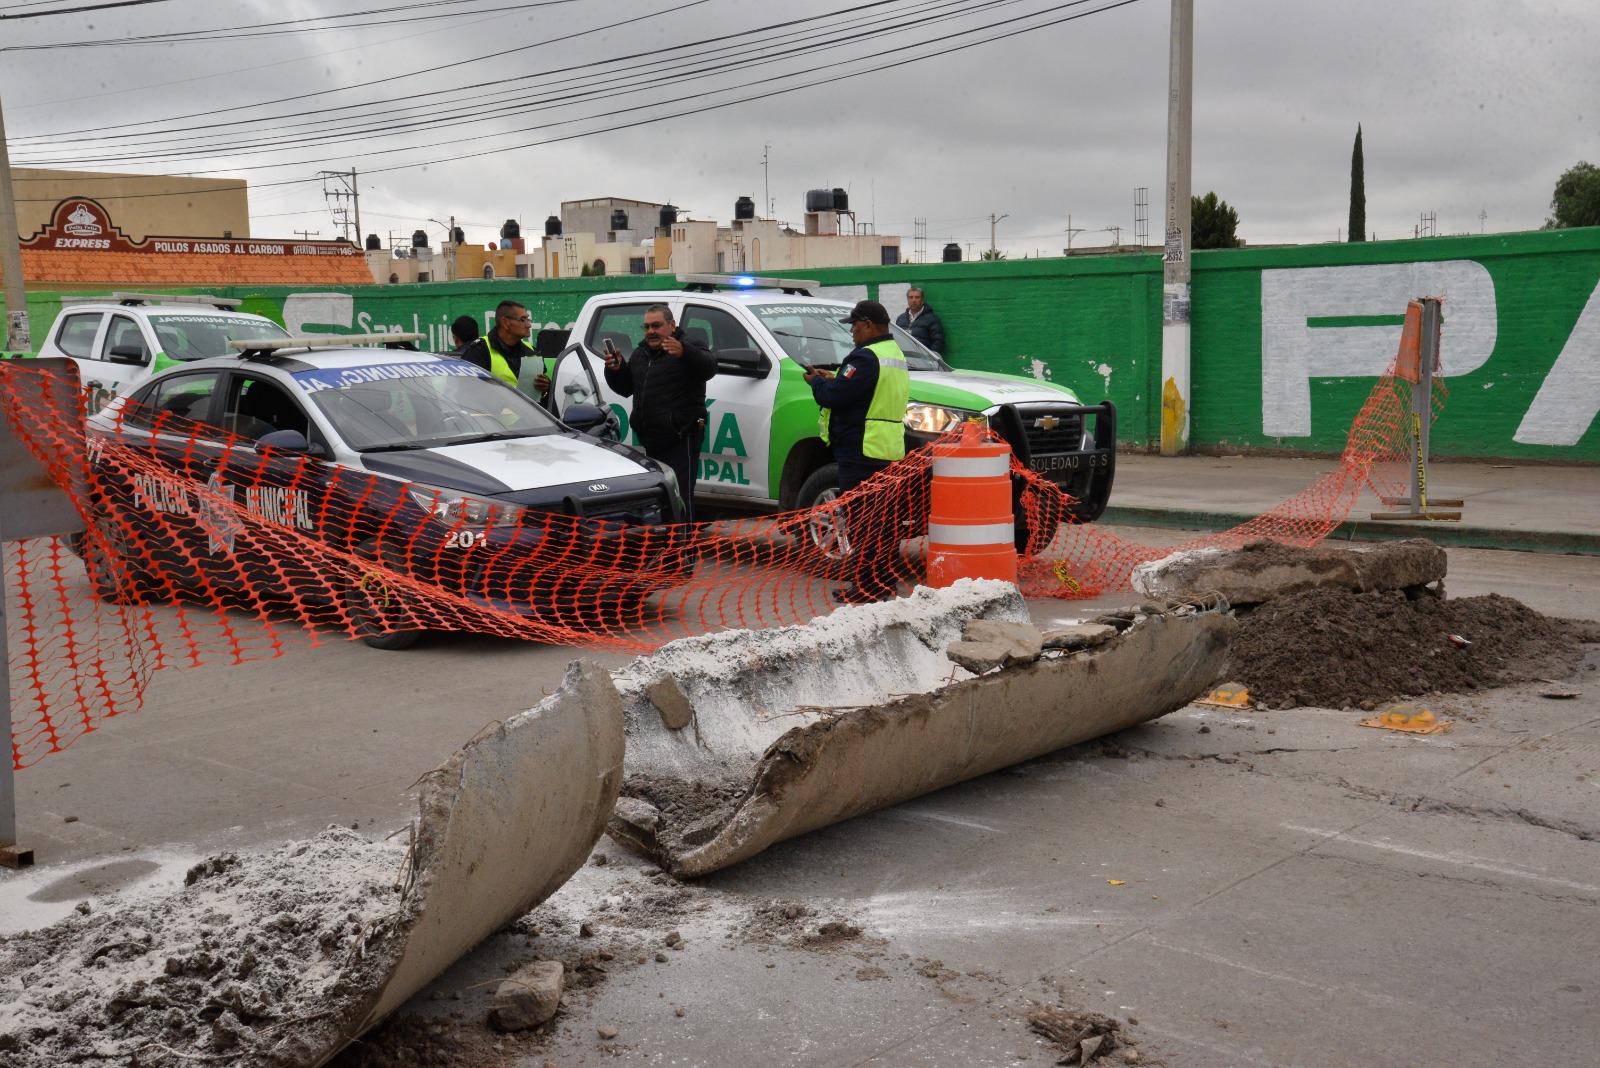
[302, 426]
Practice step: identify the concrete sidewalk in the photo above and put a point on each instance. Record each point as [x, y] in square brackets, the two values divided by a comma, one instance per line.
[1534, 507]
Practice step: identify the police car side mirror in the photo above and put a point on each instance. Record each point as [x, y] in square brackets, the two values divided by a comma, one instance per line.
[584, 417]
[743, 363]
[287, 441]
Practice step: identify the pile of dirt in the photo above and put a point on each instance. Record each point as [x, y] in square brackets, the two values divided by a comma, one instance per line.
[698, 808]
[1332, 648]
[251, 963]
[1085, 1037]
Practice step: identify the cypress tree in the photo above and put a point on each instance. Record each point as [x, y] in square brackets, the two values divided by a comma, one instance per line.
[1358, 192]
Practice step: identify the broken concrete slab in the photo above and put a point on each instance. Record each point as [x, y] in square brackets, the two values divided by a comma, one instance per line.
[807, 726]
[1267, 569]
[980, 658]
[528, 997]
[503, 824]
[1081, 635]
[671, 702]
[994, 643]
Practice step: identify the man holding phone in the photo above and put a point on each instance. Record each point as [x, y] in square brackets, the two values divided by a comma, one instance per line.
[666, 376]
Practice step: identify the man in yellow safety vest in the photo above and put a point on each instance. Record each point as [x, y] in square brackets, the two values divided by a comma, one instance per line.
[863, 420]
[502, 350]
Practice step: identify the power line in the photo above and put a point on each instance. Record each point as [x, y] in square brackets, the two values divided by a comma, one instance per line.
[78, 10]
[879, 65]
[608, 86]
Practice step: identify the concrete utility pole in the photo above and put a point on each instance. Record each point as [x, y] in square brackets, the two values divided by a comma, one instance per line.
[993, 218]
[1070, 231]
[17, 335]
[1175, 287]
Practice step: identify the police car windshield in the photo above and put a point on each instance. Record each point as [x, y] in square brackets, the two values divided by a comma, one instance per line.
[813, 336]
[190, 336]
[421, 406]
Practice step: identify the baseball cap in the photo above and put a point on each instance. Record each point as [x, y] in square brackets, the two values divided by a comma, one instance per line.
[867, 311]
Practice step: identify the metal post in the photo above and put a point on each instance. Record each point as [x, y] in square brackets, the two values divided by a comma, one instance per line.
[10, 855]
[18, 337]
[355, 201]
[1175, 280]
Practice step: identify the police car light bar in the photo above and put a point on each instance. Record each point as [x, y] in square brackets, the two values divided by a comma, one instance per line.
[131, 299]
[705, 283]
[327, 341]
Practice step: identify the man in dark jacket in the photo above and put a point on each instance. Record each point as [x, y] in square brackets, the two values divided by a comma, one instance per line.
[666, 377]
[920, 322]
[502, 350]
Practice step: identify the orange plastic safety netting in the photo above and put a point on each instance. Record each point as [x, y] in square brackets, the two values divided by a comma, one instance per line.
[214, 549]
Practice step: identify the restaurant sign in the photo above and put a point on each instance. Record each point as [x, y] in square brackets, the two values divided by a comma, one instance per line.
[79, 223]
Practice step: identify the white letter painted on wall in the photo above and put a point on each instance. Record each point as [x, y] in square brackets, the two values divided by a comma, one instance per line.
[301, 310]
[1570, 397]
[1293, 353]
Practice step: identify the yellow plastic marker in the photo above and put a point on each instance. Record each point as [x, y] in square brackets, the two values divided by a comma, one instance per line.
[1228, 695]
[1408, 718]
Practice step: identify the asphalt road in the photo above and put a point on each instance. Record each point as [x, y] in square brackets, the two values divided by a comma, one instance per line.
[1264, 887]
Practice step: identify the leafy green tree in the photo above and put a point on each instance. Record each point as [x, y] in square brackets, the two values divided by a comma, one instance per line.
[1212, 222]
[1358, 191]
[993, 254]
[1576, 201]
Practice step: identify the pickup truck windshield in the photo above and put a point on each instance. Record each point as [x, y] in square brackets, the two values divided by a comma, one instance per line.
[813, 336]
[186, 336]
[428, 412]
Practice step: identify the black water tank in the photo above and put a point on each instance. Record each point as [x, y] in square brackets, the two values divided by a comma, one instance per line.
[841, 199]
[669, 216]
[510, 230]
[619, 219]
[744, 208]
[952, 253]
[458, 236]
[373, 242]
[419, 239]
[819, 200]
[552, 226]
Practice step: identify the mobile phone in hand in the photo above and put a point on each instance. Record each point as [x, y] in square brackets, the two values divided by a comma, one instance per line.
[611, 352]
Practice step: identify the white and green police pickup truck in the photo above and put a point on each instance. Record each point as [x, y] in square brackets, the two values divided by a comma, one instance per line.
[762, 447]
[121, 340]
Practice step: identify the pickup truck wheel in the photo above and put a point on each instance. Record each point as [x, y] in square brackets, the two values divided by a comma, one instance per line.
[367, 598]
[824, 535]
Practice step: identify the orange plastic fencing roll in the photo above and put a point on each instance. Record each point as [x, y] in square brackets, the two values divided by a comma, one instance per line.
[970, 528]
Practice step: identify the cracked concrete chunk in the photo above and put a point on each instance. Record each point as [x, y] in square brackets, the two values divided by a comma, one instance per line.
[1267, 569]
[990, 643]
[637, 813]
[528, 997]
[671, 702]
[1079, 636]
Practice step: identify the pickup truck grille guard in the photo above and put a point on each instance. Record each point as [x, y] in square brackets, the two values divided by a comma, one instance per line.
[1048, 439]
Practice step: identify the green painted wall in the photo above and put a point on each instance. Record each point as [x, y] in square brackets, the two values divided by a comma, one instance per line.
[1286, 341]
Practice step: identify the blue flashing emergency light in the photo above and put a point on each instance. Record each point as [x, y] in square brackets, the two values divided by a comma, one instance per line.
[744, 281]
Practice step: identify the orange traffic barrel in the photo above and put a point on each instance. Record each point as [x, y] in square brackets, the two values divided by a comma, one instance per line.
[970, 533]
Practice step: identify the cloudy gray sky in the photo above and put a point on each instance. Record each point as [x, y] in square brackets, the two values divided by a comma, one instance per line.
[1468, 108]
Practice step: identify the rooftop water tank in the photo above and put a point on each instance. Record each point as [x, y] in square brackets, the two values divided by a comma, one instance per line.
[669, 216]
[458, 236]
[373, 242]
[619, 219]
[841, 199]
[819, 200]
[952, 253]
[419, 239]
[552, 226]
[510, 229]
[744, 208]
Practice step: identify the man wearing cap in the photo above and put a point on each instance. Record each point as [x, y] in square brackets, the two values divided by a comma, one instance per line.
[863, 419]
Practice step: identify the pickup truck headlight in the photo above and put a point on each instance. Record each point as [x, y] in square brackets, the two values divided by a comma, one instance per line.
[936, 419]
[453, 507]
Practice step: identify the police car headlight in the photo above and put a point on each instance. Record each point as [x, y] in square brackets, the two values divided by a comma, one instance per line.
[452, 507]
[936, 418]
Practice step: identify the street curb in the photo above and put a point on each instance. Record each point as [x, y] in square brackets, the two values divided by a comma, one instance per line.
[1442, 533]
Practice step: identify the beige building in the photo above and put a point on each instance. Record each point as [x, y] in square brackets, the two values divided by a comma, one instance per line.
[611, 236]
[449, 263]
[144, 205]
